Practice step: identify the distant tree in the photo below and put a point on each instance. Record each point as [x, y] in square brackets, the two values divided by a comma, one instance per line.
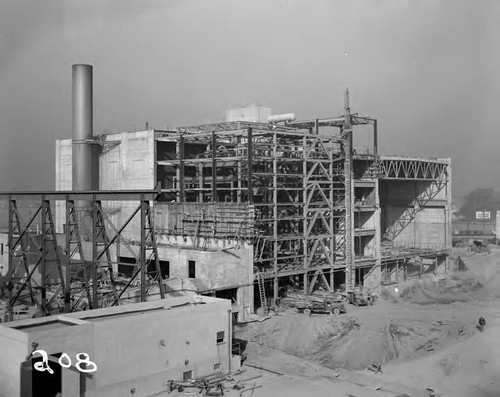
[480, 200]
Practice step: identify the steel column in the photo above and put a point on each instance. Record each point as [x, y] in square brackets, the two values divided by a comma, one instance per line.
[349, 204]
[250, 165]
[181, 169]
[214, 168]
[143, 250]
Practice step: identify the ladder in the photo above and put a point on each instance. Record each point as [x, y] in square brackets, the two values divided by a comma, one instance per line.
[262, 292]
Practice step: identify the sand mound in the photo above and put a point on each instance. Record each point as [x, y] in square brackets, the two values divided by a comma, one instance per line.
[346, 342]
[457, 288]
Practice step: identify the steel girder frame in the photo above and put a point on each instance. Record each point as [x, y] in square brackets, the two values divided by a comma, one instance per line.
[22, 267]
[325, 192]
[413, 169]
[24, 261]
[294, 179]
[303, 190]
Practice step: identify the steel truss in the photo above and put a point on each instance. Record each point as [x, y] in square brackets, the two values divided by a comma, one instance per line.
[413, 169]
[59, 280]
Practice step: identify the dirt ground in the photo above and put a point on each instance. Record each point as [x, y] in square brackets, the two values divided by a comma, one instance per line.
[423, 336]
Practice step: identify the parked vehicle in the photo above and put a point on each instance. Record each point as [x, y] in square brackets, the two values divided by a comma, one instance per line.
[357, 298]
[309, 304]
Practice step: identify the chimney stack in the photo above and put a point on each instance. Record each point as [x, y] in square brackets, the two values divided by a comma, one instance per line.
[83, 168]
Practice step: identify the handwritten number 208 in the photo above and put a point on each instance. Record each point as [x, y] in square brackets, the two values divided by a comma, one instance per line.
[82, 358]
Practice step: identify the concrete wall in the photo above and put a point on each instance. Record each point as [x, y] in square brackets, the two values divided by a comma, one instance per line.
[14, 351]
[428, 229]
[431, 225]
[156, 348]
[63, 178]
[4, 255]
[129, 165]
[139, 346]
[217, 269]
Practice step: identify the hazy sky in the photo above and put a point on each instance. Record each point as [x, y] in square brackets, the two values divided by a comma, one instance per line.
[428, 70]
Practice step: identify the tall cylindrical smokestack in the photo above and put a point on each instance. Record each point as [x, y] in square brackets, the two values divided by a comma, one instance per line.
[82, 128]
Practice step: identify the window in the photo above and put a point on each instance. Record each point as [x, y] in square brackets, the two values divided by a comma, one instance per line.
[220, 337]
[126, 266]
[217, 367]
[165, 269]
[191, 269]
[188, 375]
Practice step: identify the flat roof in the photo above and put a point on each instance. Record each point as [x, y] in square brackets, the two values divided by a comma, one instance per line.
[50, 323]
[46, 326]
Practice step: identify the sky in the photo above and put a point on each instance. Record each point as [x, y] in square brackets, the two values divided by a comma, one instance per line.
[428, 70]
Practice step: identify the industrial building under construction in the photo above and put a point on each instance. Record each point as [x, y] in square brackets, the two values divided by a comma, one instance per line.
[216, 221]
[238, 210]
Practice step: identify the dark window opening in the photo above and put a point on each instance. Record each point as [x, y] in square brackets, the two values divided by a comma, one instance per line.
[126, 266]
[359, 277]
[220, 337]
[230, 293]
[339, 280]
[188, 375]
[191, 269]
[165, 269]
[216, 366]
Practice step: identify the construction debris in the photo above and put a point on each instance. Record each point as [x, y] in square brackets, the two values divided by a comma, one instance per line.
[255, 386]
[375, 368]
[264, 369]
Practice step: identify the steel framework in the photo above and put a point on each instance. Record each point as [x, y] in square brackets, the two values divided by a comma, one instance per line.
[58, 280]
[293, 180]
[414, 169]
[296, 177]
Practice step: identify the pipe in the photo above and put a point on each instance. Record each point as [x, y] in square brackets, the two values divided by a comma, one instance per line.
[82, 128]
[280, 118]
[230, 339]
